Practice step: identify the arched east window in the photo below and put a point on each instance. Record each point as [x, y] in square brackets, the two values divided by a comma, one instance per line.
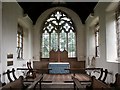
[58, 33]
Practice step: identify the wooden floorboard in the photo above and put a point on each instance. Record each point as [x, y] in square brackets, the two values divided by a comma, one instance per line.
[65, 77]
[57, 77]
[62, 81]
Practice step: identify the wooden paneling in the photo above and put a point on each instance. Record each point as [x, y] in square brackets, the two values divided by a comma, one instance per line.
[58, 55]
[44, 64]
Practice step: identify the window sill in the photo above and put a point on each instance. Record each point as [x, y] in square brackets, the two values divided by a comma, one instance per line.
[20, 59]
[113, 61]
[97, 56]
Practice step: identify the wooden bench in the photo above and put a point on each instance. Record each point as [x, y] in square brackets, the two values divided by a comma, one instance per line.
[19, 84]
[99, 85]
[77, 84]
[95, 85]
[15, 85]
[81, 74]
[116, 84]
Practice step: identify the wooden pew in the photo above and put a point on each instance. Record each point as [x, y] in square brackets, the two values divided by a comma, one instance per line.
[81, 74]
[77, 84]
[95, 85]
[99, 85]
[15, 85]
[116, 84]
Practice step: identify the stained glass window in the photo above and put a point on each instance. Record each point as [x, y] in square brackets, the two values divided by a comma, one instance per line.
[20, 42]
[97, 52]
[58, 33]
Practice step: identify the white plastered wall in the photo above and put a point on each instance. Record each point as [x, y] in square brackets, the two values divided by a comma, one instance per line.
[12, 15]
[100, 11]
[78, 26]
[0, 36]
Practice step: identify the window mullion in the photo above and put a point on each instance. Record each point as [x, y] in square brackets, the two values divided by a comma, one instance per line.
[58, 40]
[50, 41]
[67, 42]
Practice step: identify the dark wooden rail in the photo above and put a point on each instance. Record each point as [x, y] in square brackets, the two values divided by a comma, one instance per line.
[22, 68]
[103, 73]
[13, 73]
[35, 83]
[105, 76]
[8, 72]
[77, 84]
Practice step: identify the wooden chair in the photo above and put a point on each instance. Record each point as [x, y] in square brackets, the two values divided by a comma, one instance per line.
[105, 75]
[9, 72]
[53, 56]
[101, 74]
[13, 73]
[31, 73]
[64, 56]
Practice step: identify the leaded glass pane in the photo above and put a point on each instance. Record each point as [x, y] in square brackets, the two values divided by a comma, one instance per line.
[63, 41]
[45, 45]
[54, 40]
[71, 44]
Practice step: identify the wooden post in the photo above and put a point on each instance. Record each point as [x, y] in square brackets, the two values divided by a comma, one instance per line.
[58, 55]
